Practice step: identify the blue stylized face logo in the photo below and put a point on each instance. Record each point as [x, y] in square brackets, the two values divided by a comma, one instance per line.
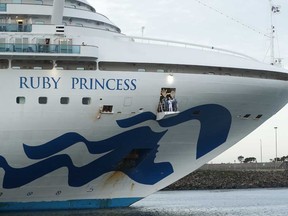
[132, 152]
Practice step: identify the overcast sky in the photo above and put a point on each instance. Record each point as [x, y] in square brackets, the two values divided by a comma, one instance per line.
[232, 24]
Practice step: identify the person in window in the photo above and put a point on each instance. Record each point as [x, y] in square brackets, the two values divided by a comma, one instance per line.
[174, 101]
[170, 107]
[174, 105]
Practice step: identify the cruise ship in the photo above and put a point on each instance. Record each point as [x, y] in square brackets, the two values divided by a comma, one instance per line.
[92, 118]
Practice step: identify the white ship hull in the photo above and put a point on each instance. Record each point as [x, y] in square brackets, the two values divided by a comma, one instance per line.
[60, 177]
[97, 135]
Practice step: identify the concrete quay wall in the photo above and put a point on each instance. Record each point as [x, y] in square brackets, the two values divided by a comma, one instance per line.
[229, 176]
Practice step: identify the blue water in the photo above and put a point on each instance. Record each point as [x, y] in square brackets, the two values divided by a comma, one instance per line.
[258, 202]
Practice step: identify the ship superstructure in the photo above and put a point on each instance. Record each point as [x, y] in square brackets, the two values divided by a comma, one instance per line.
[92, 118]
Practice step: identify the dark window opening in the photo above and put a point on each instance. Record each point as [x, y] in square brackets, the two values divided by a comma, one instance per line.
[86, 101]
[32, 64]
[64, 100]
[20, 100]
[247, 116]
[107, 109]
[4, 63]
[168, 102]
[259, 116]
[42, 100]
[76, 65]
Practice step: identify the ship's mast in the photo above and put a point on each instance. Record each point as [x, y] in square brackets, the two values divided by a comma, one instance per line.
[272, 35]
[274, 10]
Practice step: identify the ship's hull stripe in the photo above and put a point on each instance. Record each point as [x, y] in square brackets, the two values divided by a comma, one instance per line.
[72, 204]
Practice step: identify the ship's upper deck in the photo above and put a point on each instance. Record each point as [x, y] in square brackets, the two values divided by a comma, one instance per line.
[27, 12]
[62, 30]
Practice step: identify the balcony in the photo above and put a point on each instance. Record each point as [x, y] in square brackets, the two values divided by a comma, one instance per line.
[48, 51]
[37, 2]
[15, 27]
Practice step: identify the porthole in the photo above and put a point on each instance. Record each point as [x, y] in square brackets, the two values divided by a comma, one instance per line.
[247, 116]
[86, 101]
[258, 116]
[29, 193]
[91, 189]
[58, 193]
[20, 100]
[64, 100]
[42, 100]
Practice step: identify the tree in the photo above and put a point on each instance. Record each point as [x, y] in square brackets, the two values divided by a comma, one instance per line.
[278, 159]
[241, 159]
[284, 158]
[250, 160]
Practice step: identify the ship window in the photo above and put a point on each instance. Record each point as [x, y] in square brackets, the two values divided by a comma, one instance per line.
[3, 44]
[86, 101]
[37, 68]
[39, 22]
[168, 102]
[3, 7]
[140, 67]
[64, 100]
[259, 116]
[160, 71]
[107, 109]
[247, 116]
[42, 100]
[20, 100]
[76, 65]
[4, 63]
[32, 64]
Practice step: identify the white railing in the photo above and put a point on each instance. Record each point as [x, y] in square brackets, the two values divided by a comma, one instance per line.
[32, 2]
[186, 45]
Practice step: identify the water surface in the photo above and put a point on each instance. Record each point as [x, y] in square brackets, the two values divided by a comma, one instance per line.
[258, 202]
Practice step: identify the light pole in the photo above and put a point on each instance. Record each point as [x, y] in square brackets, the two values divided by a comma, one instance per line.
[276, 145]
[142, 31]
[261, 151]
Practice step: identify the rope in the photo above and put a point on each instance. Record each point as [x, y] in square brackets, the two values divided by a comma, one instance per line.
[232, 18]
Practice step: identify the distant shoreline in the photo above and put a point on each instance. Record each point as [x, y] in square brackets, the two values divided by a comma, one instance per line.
[231, 178]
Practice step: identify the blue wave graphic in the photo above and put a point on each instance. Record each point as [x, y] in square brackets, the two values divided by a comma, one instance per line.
[145, 172]
[146, 116]
[128, 140]
[215, 125]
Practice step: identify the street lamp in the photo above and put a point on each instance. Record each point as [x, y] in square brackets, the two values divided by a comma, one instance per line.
[142, 30]
[261, 151]
[276, 145]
